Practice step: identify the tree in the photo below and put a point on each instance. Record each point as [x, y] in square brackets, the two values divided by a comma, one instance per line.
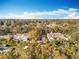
[33, 34]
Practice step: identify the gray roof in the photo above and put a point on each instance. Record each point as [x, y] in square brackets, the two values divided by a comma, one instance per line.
[4, 48]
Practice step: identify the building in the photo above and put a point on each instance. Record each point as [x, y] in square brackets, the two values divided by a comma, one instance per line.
[5, 36]
[4, 48]
[52, 36]
[41, 38]
[15, 37]
[52, 25]
[22, 37]
[25, 47]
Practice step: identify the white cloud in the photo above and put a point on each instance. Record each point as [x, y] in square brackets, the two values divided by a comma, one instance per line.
[72, 9]
[69, 13]
[72, 14]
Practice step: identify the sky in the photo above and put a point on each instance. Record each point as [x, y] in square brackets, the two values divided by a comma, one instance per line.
[42, 9]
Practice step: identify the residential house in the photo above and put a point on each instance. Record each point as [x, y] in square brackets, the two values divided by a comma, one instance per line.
[4, 48]
[15, 37]
[52, 36]
[52, 25]
[25, 47]
[41, 38]
[22, 37]
[5, 36]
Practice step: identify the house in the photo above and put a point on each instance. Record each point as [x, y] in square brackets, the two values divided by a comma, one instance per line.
[67, 37]
[4, 48]
[24, 26]
[15, 37]
[25, 47]
[39, 25]
[52, 25]
[41, 38]
[22, 37]
[52, 36]
[5, 36]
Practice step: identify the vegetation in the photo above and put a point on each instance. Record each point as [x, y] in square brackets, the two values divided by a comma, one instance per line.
[56, 49]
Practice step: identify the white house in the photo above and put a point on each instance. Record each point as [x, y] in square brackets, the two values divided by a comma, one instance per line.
[52, 36]
[15, 37]
[23, 37]
[52, 25]
[67, 37]
[4, 48]
[5, 36]
[25, 47]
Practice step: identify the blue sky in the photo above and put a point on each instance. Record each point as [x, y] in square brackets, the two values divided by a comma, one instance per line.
[17, 7]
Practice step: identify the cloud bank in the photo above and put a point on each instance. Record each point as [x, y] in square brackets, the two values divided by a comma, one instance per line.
[70, 13]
